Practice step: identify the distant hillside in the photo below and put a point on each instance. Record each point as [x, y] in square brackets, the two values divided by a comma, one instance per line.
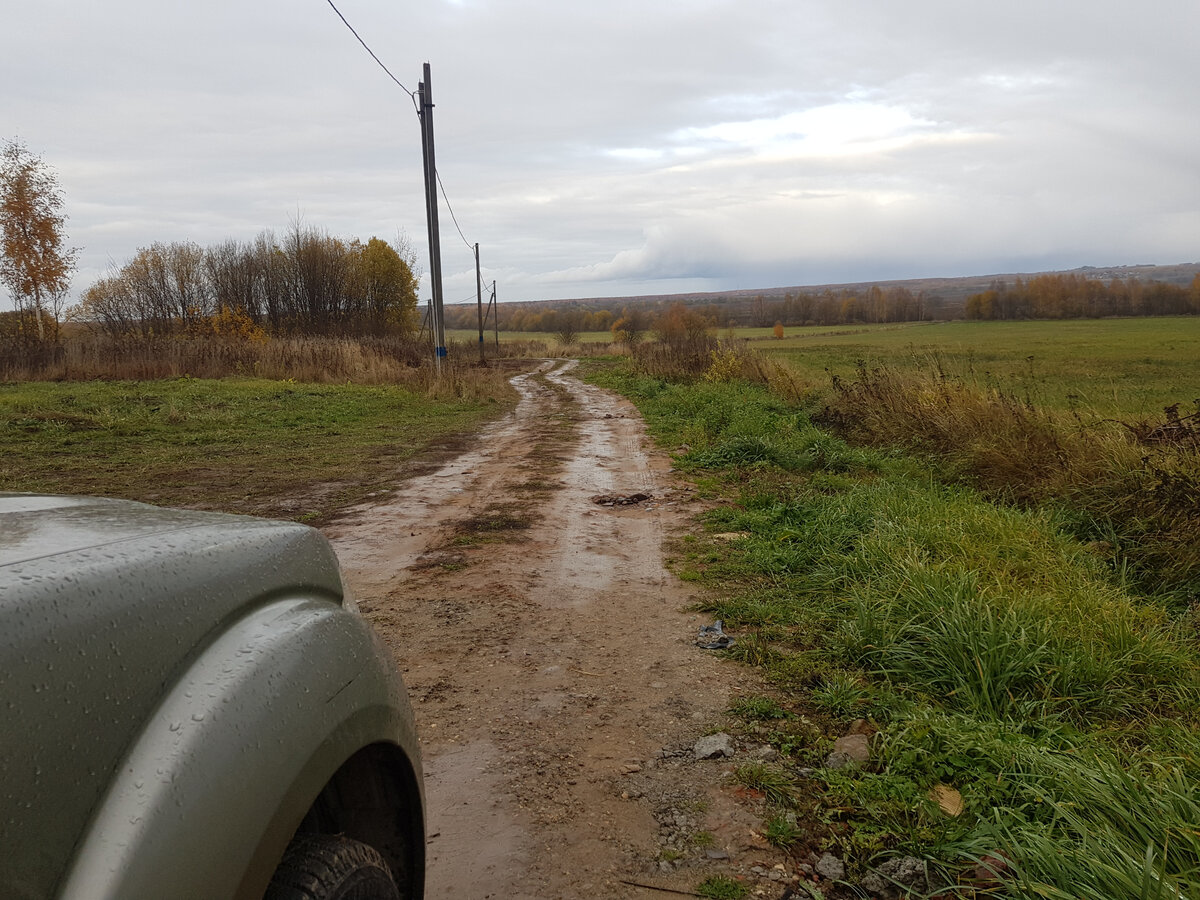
[949, 293]
[901, 300]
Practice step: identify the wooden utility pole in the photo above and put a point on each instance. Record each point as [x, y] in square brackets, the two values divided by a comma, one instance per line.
[495, 315]
[479, 302]
[438, 324]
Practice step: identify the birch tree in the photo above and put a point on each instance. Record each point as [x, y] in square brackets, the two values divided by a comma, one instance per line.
[35, 264]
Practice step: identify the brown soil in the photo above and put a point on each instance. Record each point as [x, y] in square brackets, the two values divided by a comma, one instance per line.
[552, 665]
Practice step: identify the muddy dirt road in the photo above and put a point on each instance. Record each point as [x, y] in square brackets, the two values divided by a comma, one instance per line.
[551, 661]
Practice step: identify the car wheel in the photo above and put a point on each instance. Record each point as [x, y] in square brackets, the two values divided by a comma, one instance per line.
[330, 867]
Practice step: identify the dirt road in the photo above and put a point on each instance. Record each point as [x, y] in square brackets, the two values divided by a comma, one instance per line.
[551, 662]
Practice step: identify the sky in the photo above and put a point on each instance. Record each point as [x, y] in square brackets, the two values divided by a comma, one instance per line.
[627, 147]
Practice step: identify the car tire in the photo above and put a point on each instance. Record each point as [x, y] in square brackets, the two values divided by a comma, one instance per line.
[331, 867]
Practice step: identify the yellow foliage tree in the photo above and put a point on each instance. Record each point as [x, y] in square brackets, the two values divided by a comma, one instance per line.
[229, 323]
[34, 262]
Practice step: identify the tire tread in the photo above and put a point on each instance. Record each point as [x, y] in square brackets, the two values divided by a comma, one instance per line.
[331, 867]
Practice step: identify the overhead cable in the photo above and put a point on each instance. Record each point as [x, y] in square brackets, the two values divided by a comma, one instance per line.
[452, 216]
[372, 52]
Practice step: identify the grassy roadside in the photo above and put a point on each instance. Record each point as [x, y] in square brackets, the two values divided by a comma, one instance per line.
[278, 448]
[996, 658]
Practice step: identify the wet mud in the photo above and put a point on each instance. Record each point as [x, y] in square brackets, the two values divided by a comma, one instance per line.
[550, 657]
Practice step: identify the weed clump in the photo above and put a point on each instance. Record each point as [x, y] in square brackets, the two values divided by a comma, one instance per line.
[719, 887]
[761, 709]
[777, 786]
[782, 832]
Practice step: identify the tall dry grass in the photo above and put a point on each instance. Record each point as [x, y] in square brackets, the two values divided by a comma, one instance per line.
[535, 349]
[720, 361]
[1133, 489]
[307, 359]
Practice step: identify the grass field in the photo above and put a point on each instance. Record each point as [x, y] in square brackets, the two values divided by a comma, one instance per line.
[290, 450]
[1128, 368]
[1109, 367]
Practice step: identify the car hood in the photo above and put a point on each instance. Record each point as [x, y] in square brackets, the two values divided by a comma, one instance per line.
[37, 526]
[103, 603]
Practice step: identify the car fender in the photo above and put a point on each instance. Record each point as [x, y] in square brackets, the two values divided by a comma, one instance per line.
[227, 766]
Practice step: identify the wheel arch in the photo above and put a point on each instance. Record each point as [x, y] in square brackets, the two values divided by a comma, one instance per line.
[292, 714]
[374, 797]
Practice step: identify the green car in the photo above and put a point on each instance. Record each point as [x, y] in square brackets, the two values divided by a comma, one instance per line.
[191, 707]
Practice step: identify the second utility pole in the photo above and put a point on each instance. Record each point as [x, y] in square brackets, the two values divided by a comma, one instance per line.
[479, 302]
[438, 324]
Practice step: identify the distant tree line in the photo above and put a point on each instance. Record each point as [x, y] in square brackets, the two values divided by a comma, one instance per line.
[305, 283]
[519, 317]
[1072, 296]
[1055, 296]
[846, 307]
[895, 304]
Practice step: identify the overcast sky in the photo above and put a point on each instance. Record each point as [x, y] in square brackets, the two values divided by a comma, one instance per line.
[618, 148]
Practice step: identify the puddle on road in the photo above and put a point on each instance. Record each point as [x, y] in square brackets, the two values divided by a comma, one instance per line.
[378, 543]
[591, 557]
[474, 847]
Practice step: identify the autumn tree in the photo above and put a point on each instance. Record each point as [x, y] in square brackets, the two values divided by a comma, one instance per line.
[386, 288]
[567, 329]
[629, 326]
[35, 263]
[682, 329]
[312, 283]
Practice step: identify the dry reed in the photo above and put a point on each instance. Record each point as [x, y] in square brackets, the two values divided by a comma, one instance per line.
[305, 359]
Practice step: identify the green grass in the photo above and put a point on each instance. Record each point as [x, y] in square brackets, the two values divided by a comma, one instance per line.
[762, 709]
[777, 786]
[797, 334]
[998, 654]
[266, 447]
[780, 831]
[1110, 367]
[719, 887]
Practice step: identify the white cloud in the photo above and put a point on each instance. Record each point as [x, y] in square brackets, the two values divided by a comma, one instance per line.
[847, 128]
[607, 148]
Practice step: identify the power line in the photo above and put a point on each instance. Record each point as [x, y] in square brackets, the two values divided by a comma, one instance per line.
[452, 215]
[372, 52]
[437, 175]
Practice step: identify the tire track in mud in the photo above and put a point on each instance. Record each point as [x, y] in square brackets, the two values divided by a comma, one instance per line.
[547, 654]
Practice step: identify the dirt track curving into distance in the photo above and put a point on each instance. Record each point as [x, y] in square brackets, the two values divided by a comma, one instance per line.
[551, 662]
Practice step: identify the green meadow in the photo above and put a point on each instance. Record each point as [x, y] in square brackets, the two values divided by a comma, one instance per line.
[286, 449]
[1127, 368]
[1110, 367]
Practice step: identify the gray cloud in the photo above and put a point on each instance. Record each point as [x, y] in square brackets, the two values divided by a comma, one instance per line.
[625, 147]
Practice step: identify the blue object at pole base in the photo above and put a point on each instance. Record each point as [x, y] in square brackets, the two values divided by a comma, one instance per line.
[441, 352]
